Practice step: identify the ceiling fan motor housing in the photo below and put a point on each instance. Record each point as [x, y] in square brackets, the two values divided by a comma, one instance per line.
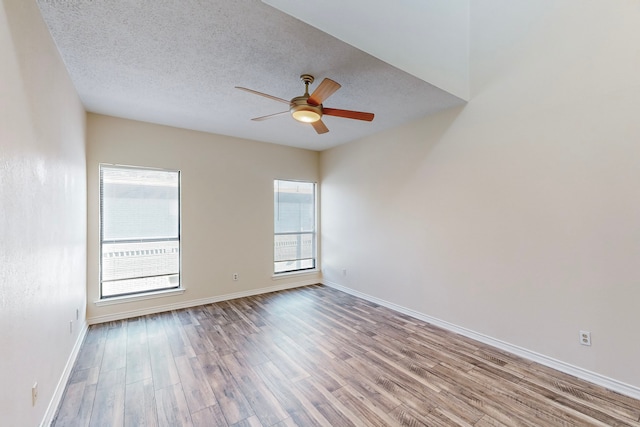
[304, 112]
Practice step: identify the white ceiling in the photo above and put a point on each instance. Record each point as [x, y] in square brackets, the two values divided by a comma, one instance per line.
[176, 62]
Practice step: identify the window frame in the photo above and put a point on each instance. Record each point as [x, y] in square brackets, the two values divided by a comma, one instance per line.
[313, 233]
[149, 292]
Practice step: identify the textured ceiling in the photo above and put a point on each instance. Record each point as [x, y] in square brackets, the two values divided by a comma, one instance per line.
[176, 62]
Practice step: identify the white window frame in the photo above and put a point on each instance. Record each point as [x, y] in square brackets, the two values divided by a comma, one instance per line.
[313, 234]
[149, 293]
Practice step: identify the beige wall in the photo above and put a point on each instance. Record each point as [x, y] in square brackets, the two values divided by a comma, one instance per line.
[517, 216]
[42, 215]
[227, 206]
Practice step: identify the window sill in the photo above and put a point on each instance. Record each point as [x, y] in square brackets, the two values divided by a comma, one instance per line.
[141, 297]
[277, 276]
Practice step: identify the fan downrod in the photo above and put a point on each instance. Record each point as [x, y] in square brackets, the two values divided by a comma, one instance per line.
[307, 79]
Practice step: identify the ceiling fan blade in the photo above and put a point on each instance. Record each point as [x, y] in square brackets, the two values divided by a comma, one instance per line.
[275, 98]
[258, 119]
[320, 127]
[323, 91]
[348, 114]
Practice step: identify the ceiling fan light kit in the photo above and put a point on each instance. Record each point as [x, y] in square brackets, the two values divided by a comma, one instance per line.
[308, 108]
[303, 112]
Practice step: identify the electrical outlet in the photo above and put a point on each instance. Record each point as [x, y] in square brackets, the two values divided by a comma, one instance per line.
[344, 271]
[235, 277]
[34, 393]
[77, 314]
[585, 337]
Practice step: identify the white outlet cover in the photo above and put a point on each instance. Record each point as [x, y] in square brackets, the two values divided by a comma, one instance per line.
[585, 338]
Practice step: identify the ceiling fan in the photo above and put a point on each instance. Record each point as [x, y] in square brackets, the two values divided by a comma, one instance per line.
[308, 108]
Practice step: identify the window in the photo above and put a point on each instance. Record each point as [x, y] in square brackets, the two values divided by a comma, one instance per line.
[295, 226]
[139, 230]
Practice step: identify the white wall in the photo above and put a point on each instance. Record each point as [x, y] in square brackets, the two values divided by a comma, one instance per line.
[42, 214]
[517, 216]
[227, 206]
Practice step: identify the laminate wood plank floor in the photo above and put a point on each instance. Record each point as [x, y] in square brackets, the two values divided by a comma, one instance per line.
[315, 356]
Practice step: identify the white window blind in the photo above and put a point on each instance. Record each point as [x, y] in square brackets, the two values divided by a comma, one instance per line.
[139, 230]
[295, 226]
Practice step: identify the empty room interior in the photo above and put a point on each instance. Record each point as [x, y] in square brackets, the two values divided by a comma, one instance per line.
[276, 213]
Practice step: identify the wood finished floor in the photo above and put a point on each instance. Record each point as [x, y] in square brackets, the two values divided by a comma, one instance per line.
[315, 356]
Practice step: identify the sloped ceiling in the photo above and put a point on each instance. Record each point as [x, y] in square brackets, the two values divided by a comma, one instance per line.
[176, 63]
[427, 38]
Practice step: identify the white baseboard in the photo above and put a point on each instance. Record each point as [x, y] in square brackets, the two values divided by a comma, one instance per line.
[197, 302]
[595, 378]
[64, 378]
